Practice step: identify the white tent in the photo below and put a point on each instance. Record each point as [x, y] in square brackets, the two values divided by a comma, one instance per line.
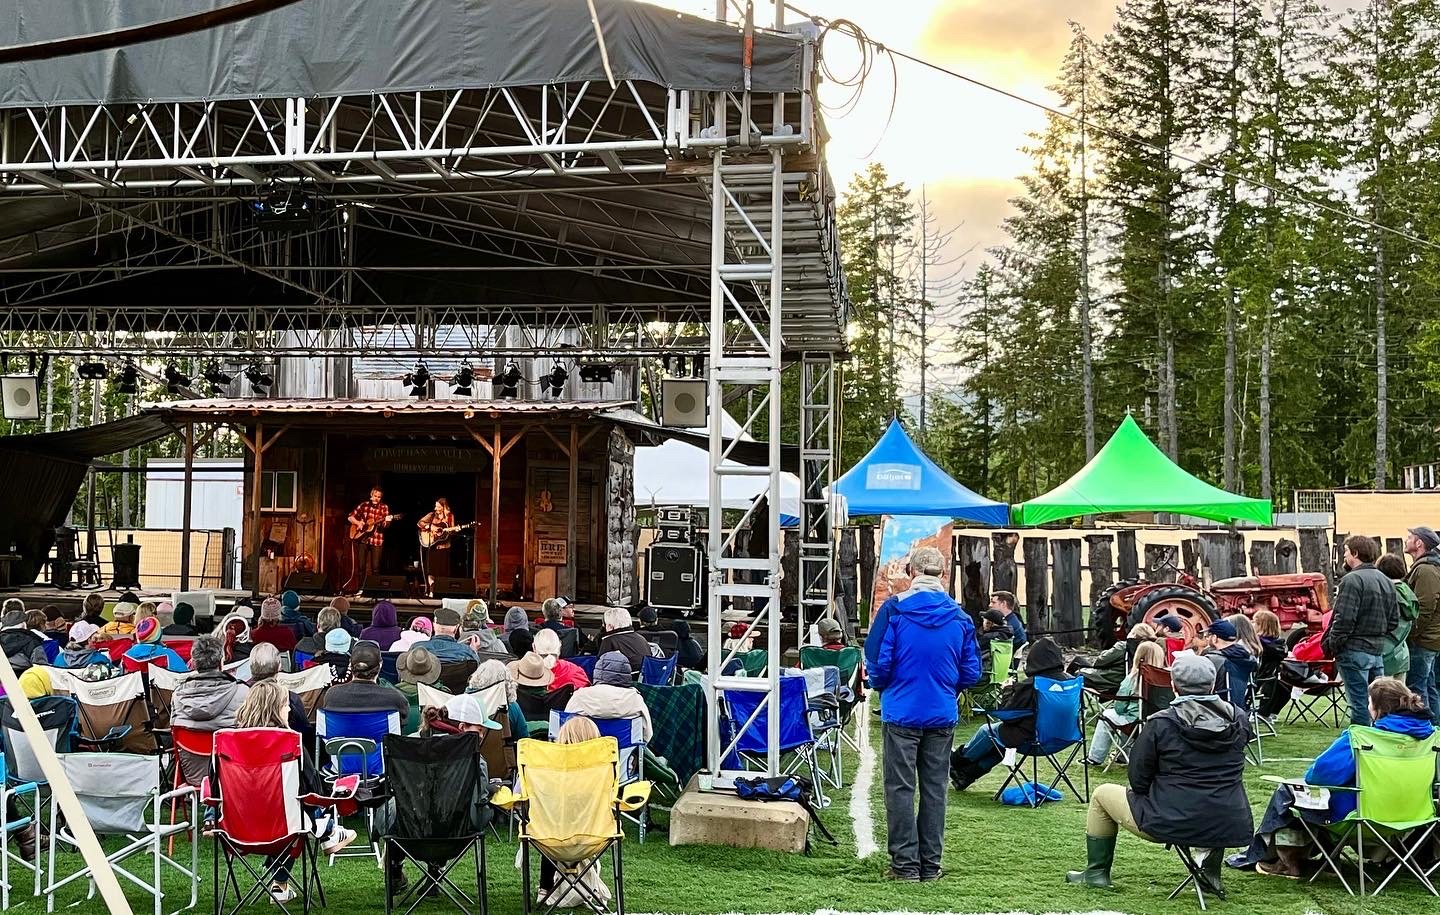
[678, 473]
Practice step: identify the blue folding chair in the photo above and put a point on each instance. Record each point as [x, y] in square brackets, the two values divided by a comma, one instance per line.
[302, 658]
[27, 811]
[389, 669]
[743, 713]
[658, 671]
[629, 734]
[1059, 726]
[354, 741]
[586, 663]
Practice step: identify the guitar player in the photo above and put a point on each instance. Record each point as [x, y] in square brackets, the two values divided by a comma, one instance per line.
[439, 523]
[368, 522]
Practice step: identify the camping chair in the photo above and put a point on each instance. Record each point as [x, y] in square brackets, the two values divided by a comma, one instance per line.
[668, 643]
[585, 662]
[260, 768]
[755, 661]
[455, 675]
[389, 670]
[160, 684]
[569, 803]
[352, 742]
[58, 717]
[986, 695]
[658, 671]
[1059, 726]
[1156, 690]
[310, 685]
[1327, 693]
[1395, 804]
[441, 791]
[8, 827]
[1259, 726]
[847, 661]
[822, 700]
[745, 730]
[184, 740]
[1194, 874]
[629, 736]
[121, 796]
[114, 714]
[570, 642]
[116, 648]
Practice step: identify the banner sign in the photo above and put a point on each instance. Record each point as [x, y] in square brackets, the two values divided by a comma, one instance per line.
[426, 459]
[900, 536]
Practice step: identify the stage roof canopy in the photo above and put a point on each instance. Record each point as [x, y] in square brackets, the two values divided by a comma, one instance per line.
[897, 478]
[1130, 474]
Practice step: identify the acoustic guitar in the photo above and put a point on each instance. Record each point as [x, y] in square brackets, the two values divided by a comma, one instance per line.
[360, 531]
[430, 539]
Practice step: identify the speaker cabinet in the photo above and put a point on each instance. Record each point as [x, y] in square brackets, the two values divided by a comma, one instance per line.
[454, 586]
[672, 576]
[384, 586]
[305, 582]
[682, 403]
[125, 561]
[20, 396]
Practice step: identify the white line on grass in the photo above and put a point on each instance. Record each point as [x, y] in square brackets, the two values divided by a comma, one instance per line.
[860, 808]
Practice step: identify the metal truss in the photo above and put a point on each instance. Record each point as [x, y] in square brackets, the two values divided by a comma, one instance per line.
[817, 472]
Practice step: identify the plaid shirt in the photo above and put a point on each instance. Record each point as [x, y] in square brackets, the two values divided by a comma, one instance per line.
[369, 513]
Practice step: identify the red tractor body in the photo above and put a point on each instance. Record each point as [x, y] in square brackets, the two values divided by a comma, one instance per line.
[1297, 599]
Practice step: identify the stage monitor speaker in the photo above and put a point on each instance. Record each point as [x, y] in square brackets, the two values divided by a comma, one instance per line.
[384, 586]
[672, 577]
[454, 586]
[20, 396]
[682, 403]
[305, 582]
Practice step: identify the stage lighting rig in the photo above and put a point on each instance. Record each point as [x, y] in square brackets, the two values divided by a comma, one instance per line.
[463, 381]
[129, 382]
[597, 373]
[216, 378]
[507, 383]
[285, 208]
[93, 370]
[174, 378]
[554, 383]
[260, 380]
[418, 381]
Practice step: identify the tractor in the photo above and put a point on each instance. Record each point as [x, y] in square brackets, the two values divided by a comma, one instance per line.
[1299, 599]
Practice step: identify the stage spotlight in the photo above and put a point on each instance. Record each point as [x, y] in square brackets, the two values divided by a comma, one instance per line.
[463, 382]
[286, 208]
[598, 373]
[697, 369]
[507, 383]
[129, 382]
[554, 382]
[679, 367]
[216, 378]
[260, 380]
[175, 379]
[93, 370]
[418, 381]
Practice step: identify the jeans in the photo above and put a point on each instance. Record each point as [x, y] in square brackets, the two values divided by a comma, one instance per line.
[1423, 676]
[983, 748]
[1358, 669]
[916, 758]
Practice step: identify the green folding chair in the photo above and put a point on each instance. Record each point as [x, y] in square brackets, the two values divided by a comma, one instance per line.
[755, 661]
[1395, 794]
[983, 697]
[847, 660]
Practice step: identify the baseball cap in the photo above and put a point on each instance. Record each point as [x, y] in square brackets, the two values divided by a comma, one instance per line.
[1170, 623]
[829, 627]
[1223, 629]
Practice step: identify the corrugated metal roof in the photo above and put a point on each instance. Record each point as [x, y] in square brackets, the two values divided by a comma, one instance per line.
[373, 407]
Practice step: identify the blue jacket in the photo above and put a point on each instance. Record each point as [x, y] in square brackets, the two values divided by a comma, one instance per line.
[926, 655]
[1019, 640]
[1336, 766]
[146, 652]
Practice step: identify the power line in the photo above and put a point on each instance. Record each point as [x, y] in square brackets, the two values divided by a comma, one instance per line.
[845, 26]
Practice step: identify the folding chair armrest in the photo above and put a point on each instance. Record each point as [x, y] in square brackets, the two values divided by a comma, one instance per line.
[208, 798]
[22, 788]
[634, 796]
[178, 792]
[1301, 783]
[342, 789]
[507, 800]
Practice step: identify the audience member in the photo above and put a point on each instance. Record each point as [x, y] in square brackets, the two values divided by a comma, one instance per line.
[416, 667]
[80, 652]
[207, 700]
[1396, 655]
[94, 610]
[337, 654]
[986, 748]
[620, 635]
[1125, 709]
[691, 654]
[493, 686]
[612, 693]
[577, 730]
[476, 615]
[148, 649]
[314, 644]
[57, 626]
[184, 625]
[271, 630]
[147, 610]
[1365, 610]
[291, 616]
[1187, 783]
[1234, 664]
[20, 643]
[1279, 846]
[553, 611]
[122, 624]
[832, 635]
[1423, 545]
[1004, 602]
[483, 640]
[384, 628]
[364, 692]
[519, 642]
[1106, 671]
[1272, 655]
[515, 619]
[443, 644]
[265, 665]
[565, 673]
[649, 619]
[234, 633]
[1171, 629]
[420, 630]
[927, 655]
[532, 688]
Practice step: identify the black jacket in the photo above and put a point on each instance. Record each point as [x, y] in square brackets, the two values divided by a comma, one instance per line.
[1187, 776]
[1365, 610]
[1044, 659]
[629, 643]
[21, 647]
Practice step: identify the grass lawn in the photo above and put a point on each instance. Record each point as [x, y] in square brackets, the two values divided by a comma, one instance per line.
[997, 859]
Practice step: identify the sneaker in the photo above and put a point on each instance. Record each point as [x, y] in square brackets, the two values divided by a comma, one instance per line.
[937, 874]
[892, 874]
[339, 838]
[281, 893]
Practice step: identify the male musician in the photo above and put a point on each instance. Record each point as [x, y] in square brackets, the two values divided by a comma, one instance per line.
[438, 523]
[365, 550]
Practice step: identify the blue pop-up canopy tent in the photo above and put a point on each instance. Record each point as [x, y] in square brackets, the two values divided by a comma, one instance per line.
[896, 478]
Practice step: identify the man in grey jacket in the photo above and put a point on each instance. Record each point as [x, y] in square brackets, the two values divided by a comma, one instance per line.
[1365, 610]
[205, 701]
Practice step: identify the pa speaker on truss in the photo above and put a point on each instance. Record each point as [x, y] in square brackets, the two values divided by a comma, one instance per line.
[682, 403]
[21, 396]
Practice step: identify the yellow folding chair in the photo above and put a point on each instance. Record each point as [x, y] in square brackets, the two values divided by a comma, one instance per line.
[569, 804]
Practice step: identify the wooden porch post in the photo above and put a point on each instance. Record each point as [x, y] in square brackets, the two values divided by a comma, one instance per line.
[571, 566]
[185, 509]
[495, 456]
[255, 510]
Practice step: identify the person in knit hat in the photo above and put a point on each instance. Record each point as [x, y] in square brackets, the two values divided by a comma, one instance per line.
[272, 629]
[612, 693]
[342, 605]
[515, 619]
[291, 616]
[420, 631]
[184, 624]
[148, 650]
[336, 653]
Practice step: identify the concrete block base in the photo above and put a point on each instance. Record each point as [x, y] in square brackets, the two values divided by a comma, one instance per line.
[720, 818]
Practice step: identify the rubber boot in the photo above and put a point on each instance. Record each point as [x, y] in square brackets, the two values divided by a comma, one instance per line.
[1100, 854]
[1210, 870]
[963, 772]
[25, 838]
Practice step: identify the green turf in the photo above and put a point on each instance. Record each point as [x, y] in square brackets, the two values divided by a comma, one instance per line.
[998, 859]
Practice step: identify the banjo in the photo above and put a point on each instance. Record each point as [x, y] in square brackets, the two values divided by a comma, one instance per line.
[430, 539]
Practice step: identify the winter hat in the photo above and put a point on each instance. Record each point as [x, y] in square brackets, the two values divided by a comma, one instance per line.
[649, 616]
[1192, 675]
[531, 670]
[613, 669]
[830, 628]
[148, 630]
[290, 600]
[184, 614]
[477, 614]
[422, 624]
[737, 630]
[340, 603]
[337, 641]
[417, 666]
[515, 619]
[519, 642]
[270, 609]
[1223, 629]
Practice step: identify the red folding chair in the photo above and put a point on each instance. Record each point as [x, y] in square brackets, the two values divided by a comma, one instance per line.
[116, 648]
[199, 743]
[181, 646]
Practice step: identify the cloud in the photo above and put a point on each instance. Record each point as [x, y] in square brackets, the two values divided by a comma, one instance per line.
[1018, 37]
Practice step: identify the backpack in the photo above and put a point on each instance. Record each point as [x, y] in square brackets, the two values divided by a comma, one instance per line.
[794, 788]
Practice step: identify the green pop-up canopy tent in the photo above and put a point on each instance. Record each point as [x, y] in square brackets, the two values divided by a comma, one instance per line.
[1131, 475]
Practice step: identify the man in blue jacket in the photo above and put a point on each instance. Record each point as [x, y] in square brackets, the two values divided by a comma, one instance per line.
[922, 658]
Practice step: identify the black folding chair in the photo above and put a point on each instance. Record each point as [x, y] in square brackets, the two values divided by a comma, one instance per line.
[441, 795]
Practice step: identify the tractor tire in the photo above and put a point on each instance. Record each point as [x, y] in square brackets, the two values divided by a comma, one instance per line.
[1105, 620]
[1194, 607]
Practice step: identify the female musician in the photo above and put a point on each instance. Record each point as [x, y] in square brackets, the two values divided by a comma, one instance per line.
[439, 523]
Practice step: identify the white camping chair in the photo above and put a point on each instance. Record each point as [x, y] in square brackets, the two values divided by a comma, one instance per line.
[121, 795]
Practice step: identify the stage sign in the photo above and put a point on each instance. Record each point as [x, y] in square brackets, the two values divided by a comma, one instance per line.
[550, 552]
[899, 537]
[426, 459]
